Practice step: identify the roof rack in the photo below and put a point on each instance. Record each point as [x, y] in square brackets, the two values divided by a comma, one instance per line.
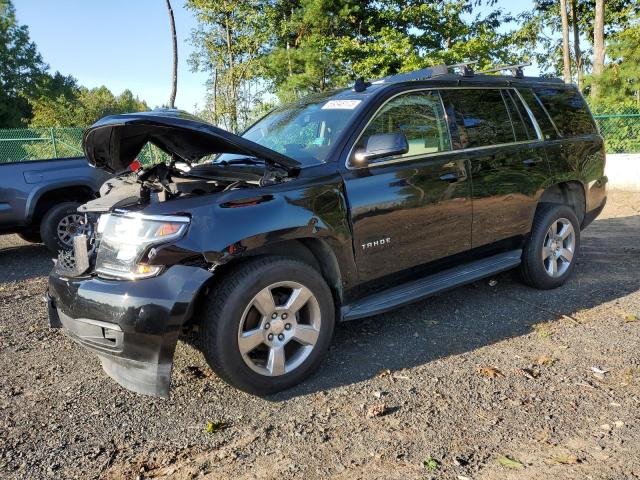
[465, 69]
[516, 70]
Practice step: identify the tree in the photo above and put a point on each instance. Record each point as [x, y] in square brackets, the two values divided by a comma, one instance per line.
[231, 36]
[598, 44]
[22, 70]
[619, 83]
[290, 48]
[81, 107]
[540, 31]
[174, 82]
[566, 59]
[577, 53]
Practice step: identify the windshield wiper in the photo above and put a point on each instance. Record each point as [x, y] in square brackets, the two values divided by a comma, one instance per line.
[240, 161]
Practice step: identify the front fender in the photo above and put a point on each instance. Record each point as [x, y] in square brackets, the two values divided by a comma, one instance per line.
[233, 224]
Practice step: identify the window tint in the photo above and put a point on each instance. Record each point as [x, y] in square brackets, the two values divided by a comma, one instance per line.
[481, 117]
[419, 115]
[549, 132]
[568, 110]
[522, 126]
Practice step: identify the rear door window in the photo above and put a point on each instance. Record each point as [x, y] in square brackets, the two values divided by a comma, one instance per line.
[568, 110]
[481, 116]
[522, 126]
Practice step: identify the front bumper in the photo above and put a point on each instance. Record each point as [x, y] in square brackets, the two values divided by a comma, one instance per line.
[132, 326]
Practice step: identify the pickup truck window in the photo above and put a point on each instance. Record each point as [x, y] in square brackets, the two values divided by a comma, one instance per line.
[419, 115]
[481, 116]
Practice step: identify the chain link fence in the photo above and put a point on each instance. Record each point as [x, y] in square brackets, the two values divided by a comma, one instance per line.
[24, 144]
[620, 129]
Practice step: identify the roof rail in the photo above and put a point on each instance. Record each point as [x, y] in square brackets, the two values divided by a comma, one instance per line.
[516, 70]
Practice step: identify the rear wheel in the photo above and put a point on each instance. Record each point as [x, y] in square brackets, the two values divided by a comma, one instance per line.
[61, 224]
[549, 256]
[268, 325]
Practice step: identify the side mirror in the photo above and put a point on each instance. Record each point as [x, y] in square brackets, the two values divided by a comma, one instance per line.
[381, 145]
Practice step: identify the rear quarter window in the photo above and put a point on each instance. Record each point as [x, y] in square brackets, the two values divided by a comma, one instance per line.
[567, 109]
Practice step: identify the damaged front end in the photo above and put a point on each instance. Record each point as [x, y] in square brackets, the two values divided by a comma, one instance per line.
[109, 294]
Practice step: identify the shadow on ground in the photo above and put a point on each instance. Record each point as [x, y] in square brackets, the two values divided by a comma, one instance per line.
[22, 261]
[478, 315]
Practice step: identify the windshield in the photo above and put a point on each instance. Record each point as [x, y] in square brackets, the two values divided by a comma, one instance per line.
[304, 131]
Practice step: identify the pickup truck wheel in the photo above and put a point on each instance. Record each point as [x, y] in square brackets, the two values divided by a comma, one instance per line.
[31, 237]
[549, 256]
[268, 325]
[60, 224]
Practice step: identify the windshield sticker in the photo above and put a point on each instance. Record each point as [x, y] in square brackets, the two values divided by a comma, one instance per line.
[341, 104]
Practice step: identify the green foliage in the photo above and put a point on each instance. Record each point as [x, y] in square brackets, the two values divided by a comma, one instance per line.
[431, 464]
[619, 84]
[22, 70]
[79, 106]
[288, 49]
[540, 30]
[232, 35]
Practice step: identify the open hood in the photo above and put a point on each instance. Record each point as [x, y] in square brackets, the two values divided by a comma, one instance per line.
[113, 142]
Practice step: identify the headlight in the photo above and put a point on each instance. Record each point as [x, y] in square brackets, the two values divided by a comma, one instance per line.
[124, 238]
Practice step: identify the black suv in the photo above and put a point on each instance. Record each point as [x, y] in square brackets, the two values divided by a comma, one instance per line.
[340, 206]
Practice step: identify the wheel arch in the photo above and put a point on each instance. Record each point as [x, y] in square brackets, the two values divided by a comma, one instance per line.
[571, 193]
[314, 251]
[43, 200]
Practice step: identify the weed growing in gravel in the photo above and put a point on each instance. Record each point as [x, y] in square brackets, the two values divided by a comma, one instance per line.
[216, 426]
[431, 464]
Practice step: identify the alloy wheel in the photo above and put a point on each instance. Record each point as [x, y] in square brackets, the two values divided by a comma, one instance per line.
[279, 328]
[71, 226]
[558, 247]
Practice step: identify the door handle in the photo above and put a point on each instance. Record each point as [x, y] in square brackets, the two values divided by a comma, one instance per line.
[449, 177]
[530, 162]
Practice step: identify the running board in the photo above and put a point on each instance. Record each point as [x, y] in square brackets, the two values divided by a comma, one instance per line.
[425, 287]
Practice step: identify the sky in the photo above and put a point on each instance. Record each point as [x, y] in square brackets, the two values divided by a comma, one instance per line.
[127, 44]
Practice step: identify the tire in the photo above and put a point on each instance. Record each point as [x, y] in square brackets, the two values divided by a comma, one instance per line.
[231, 312]
[544, 248]
[53, 220]
[31, 237]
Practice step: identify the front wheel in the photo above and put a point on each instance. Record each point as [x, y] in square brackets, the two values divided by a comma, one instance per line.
[550, 254]
[268, 324]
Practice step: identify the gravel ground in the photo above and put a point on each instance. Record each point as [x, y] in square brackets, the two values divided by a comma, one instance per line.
[492, 380]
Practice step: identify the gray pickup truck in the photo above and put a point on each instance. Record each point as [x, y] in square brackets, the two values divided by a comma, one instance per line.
[39, 199]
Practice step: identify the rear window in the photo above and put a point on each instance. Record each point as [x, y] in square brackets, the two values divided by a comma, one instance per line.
[481, 116]
[567, 109]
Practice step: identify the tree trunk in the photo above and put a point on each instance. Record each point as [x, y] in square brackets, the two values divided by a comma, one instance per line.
[598, 46]
[566, 59]
[576, 44]
[233, 120]
[174, 83]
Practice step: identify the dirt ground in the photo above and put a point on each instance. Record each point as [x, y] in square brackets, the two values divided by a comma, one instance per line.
[494, 380]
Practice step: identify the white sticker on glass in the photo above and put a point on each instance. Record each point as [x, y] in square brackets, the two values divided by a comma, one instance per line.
[341, 104]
